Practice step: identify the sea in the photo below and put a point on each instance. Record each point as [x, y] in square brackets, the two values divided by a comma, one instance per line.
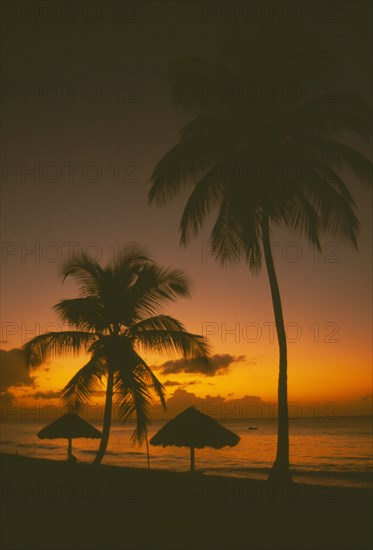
[337, 452]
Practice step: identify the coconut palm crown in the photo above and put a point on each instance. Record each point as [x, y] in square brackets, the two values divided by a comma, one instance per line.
[251, 164]
[117, 316]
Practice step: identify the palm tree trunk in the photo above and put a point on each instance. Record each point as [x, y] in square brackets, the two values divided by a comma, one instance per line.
[147, 447]
[69, 449]
[192, 466]
[107, 417]
[280, 470]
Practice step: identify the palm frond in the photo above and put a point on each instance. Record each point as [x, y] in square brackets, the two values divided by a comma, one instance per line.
[236, 234]
[85, 383]
[127, 263]
[83, 313]
[175, 342]
[130, 361]
[325, 172]
[333, 113]
[158, 322]
[86, 271]
[179, 168]
[301, 217]
[341, 157]
[152, 382]
[154, 286]
[336, 212]
[205, 196]
[132, 396]
[52, 344]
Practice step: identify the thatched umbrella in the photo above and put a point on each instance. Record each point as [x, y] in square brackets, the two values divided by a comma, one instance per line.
[69, 426]
[193, 429]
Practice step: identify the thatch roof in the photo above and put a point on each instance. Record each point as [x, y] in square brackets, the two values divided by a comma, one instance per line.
[191, 428]
[69, 426]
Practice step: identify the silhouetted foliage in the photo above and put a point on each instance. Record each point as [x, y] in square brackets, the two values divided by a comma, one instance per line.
[117, 316]
[261, 150]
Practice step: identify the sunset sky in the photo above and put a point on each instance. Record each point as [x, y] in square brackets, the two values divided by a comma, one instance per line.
[327, 298]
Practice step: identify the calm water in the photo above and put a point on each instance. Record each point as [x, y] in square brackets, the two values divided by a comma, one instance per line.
[333, 453]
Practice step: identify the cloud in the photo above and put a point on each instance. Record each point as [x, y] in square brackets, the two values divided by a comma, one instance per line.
[13, 370]
[46, 394]
[254, 360]
[219, 364]
[368, 397]
[245, 408]
[180, 400]
[172, 383]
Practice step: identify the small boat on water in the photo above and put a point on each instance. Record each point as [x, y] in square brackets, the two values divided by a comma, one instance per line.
[252, 428]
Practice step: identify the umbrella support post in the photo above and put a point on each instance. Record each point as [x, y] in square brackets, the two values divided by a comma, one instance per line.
[147, 448]
[192, 459]
[69, 449]
[191, 429]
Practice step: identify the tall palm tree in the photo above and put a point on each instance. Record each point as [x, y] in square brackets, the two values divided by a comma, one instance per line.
[117, 315]
[260, 164]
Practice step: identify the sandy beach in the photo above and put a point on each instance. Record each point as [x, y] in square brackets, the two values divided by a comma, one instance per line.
[55, 505]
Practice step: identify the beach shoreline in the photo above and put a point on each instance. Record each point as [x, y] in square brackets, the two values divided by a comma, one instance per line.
[54, 505]
[314, 449]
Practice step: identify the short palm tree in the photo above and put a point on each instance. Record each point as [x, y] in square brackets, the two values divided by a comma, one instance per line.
[260, 164]
[116, 316]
